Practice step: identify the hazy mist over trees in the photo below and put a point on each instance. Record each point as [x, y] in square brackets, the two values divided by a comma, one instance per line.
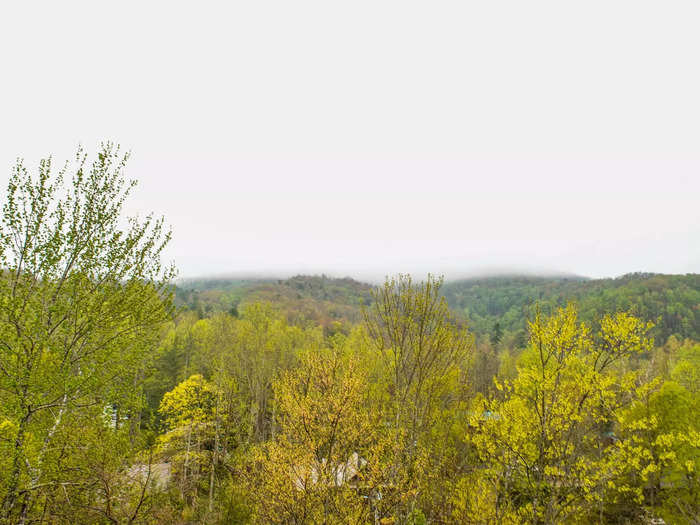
[128, 398]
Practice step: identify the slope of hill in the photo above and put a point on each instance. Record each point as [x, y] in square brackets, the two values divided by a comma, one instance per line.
[671, 301]
[321, 299]
[206, 296]
[500, 304]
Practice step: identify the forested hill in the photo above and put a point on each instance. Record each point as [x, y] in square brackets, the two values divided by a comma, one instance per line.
[491, 304]
[502, 304]
[321, 299]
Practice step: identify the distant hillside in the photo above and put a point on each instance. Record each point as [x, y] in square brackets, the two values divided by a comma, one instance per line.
[319, 298]
[322, 299]
[671, 301]
[207, 296]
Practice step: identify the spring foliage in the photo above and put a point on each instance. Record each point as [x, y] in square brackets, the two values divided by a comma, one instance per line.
[334, 404]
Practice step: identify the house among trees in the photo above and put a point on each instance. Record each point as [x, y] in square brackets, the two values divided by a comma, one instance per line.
[346, 473]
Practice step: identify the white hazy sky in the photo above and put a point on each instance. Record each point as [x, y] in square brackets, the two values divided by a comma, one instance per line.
[368, 137]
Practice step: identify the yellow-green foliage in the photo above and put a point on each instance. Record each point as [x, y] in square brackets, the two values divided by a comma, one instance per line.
[328, 451]
[190, 402]
[543, 447]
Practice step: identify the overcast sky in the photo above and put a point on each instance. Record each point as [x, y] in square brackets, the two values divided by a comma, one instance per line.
[371, 137]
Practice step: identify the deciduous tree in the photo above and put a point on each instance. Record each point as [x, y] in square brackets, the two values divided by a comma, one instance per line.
[82, 291]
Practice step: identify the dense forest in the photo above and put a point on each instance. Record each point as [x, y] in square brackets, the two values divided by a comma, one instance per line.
[313, 298]
[126, 398]
[670, 301]
[492, 306]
